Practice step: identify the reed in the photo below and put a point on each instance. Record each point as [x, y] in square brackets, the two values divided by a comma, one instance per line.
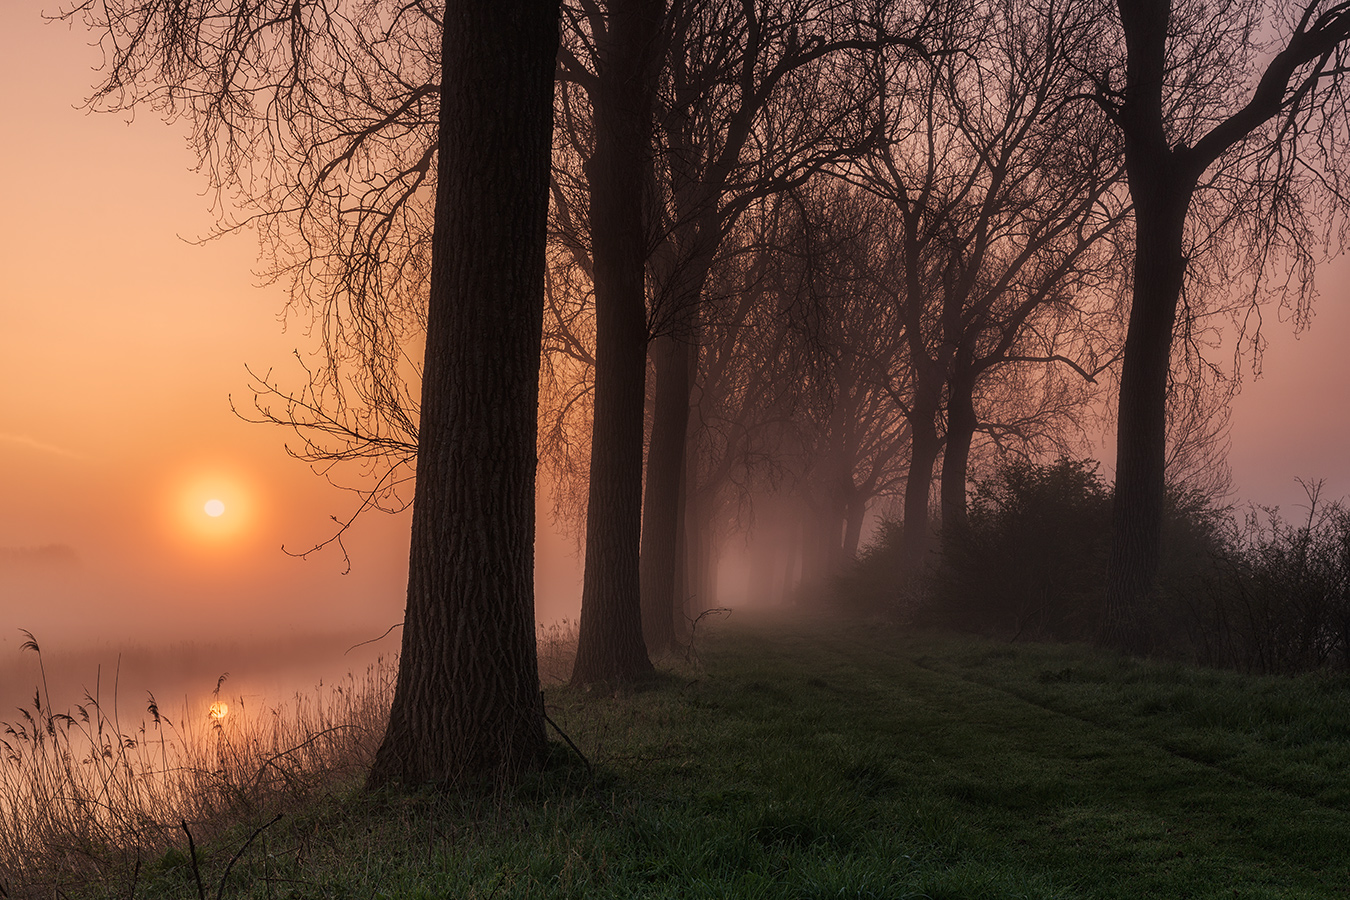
[89, 794]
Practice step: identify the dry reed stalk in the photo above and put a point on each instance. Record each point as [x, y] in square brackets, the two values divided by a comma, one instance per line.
[84, 799]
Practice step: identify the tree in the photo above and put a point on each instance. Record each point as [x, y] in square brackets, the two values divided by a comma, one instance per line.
[466, 702]
[304, 107]
[726, 133]
[1002, 193]
[610, 645]
[755, 98]
[1230, 142]
[851, 434]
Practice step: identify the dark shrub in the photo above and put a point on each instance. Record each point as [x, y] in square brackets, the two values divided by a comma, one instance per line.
[1031, 558]
[1263, 596]
[877, 584]
[1280, 602]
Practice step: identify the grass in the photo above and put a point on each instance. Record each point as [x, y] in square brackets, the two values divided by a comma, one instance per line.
[805, 760]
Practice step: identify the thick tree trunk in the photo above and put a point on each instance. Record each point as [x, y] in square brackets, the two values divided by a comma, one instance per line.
[1141, 438]
[1161, 192]
[466, 705]
[662, 557]
[961, 423]
[610, 645]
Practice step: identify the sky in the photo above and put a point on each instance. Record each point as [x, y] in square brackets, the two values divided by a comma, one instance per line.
[121, 344]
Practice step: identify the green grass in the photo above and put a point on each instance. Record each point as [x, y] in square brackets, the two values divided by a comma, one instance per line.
[803, 760]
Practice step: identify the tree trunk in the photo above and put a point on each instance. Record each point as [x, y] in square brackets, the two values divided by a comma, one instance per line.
[466, 704]
[924, 447]
[683, 571]
[961, 423]
[662, 561]
[700, 584]
[856, 511]
[1141, 437]
[1161, 192]
[610, 645]
[822, 527]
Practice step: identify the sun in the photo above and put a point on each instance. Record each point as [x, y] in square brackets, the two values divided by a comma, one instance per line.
[219, 710]
[213, 507]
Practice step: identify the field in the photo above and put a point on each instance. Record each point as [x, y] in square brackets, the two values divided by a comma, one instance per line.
[798, 759]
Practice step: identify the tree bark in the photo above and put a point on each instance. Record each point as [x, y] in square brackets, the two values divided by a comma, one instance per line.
[466, 704]
[662, 561]
[924, 447]
[1141, 437]
[961, 424]
[610, 645]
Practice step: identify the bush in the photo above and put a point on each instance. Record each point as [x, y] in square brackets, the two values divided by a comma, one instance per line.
[878, 584]
[1031, 558]
[1030, 561]
[1280, 603]
[1260, 595]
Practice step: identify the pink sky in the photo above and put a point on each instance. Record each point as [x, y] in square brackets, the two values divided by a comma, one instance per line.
[120, 345]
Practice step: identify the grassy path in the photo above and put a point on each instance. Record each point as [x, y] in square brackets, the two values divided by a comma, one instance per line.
[803, 760]
[1127, 779]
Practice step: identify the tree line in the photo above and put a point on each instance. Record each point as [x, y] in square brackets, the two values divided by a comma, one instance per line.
[737, 258]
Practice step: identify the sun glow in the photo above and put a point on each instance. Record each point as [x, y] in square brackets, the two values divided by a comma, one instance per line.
[219, 710]
[212, 506]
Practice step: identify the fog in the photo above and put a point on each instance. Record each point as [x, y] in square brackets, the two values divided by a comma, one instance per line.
[117, 426]
[172, 625]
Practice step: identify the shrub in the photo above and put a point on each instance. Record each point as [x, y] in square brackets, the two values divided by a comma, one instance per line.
[1030, 559]
[1280, 602]
[1260, 595]
[877, 584]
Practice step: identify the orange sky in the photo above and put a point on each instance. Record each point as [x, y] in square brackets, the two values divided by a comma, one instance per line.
[120, 344]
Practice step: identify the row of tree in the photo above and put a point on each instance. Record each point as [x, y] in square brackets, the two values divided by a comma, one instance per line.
[844, 238]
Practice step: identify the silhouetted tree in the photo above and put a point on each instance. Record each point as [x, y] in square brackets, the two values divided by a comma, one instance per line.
[627, 57]
[852, 432]
[755, 98]
[744, 109]
[466, 701]
[1002, 197]
[1232, 115]
[303, 100]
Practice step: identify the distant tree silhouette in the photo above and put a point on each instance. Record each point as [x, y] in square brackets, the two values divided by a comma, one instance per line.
[1002, 193]
[755, 98]
[261, 83]
[1234, 119]
[845, 438]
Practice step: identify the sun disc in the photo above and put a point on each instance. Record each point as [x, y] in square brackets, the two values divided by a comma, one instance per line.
[219, 709]
[215, 508]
